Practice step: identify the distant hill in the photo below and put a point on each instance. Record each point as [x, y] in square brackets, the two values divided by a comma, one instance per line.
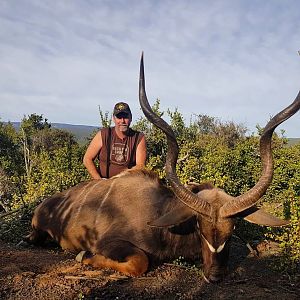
[293, 141]
[81, 132]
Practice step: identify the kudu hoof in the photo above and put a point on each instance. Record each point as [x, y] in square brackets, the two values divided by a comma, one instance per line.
[79, 256]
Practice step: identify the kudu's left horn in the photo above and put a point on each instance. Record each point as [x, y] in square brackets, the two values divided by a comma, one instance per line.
[182, 193]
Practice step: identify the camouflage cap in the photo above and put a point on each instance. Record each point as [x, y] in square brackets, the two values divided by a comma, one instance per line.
[121, 107]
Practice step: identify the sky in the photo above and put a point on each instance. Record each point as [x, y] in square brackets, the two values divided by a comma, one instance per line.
[233, 60]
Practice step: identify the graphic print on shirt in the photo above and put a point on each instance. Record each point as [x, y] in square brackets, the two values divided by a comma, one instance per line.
[119, 153]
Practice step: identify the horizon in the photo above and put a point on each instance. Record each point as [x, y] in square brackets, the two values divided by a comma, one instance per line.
[99, 127]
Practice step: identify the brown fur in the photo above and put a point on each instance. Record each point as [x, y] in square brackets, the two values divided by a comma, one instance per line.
[134, 265]
[109, 219]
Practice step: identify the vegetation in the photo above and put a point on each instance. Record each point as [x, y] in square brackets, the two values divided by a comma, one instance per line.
[38, 160]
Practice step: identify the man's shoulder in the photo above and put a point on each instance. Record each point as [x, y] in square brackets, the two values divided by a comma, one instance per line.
[106, 129]
[105, 132]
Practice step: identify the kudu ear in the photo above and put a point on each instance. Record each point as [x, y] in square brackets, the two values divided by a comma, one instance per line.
[261, 217]
[175, 217]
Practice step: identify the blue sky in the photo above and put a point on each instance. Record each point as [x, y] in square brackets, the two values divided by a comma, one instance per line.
[234, 60]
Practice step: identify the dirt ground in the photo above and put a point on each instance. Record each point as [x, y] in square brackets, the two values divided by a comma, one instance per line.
[50, 273]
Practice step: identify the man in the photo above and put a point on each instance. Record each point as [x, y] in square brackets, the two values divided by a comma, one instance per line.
[118, 148]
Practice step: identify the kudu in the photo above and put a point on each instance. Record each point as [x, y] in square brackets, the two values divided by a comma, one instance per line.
[215, 209]
[128, 221]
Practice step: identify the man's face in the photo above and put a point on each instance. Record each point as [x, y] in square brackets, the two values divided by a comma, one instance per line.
[122, 121]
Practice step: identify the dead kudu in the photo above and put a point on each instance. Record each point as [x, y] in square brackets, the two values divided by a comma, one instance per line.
[128, 221]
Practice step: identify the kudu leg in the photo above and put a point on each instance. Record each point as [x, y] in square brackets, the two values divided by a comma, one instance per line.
[120, 256]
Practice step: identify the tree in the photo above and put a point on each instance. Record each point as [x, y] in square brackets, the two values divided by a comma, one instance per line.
[29, 127]
[11, 165]
[50, 139]
[5, 190]
[33, 123]
[10, 152]
[105, 119]
[230, 132]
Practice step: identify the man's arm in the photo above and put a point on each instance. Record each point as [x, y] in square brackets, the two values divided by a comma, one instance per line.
[141, 153]
[91, 153]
